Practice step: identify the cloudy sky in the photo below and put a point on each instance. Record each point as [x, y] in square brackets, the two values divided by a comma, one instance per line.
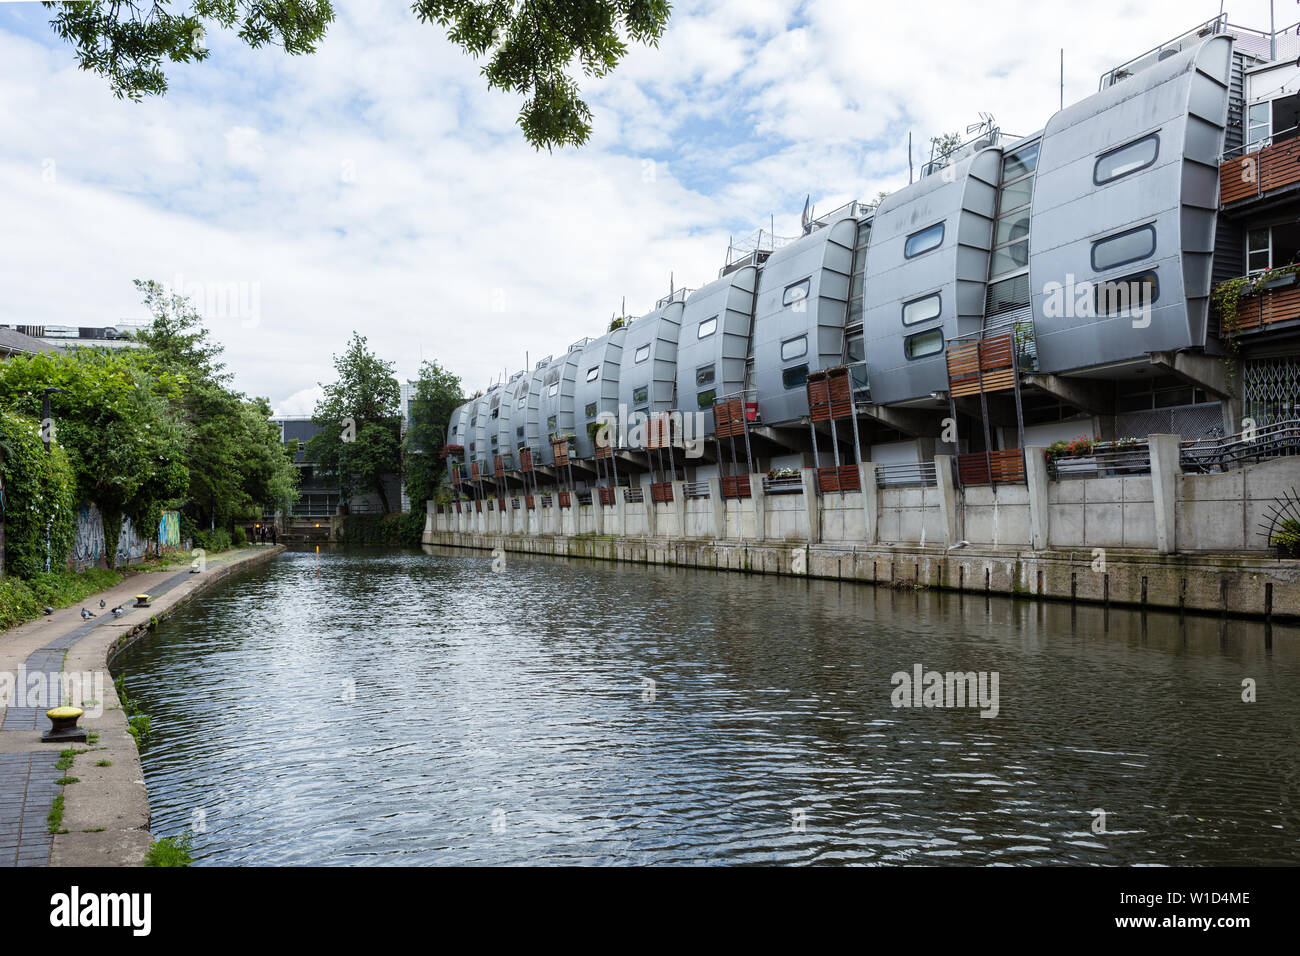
[377, 185]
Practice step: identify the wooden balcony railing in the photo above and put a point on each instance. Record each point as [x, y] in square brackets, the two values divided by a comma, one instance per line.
[661, 491]
[842, 478]
[736, 486]
[991, 468]
[1266, 307]
[986, 365]
[1258, 173]
[606, 495]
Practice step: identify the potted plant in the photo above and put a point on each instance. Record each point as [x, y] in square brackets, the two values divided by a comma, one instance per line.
[1286, 539]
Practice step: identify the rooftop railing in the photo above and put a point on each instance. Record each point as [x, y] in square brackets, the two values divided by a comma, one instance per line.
[1284, 44]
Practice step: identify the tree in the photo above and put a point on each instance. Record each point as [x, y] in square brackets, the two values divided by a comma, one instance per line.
[237, 464]
[125, 447]
[941, 147]
[437, 395]
[358, 444]
[532, 46]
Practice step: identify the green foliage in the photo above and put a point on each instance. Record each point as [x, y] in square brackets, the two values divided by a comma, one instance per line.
[137, 721]
[238, 538]
[54, 819]
[127, 43]
[112, 417]
[1080, 447]
[1287, 538]
[942, 146]
[39, 489]
[236, 463]
[437, 395]
[213, 541]
[171, 851]
[530, 46]
[402, 530]
[22, 601]
[358, 443]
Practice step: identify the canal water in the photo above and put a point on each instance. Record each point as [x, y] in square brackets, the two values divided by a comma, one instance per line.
[390, 707]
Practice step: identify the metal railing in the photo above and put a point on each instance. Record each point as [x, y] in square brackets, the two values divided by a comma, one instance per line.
[783, 485]
[634, 495]
[1284, 44]
[1205, 455]
[754, 245]
[1107, 459]
[920, 473]
[853, 209]
[677, 295]
[546, 501]
[584, 496]
[696, 489]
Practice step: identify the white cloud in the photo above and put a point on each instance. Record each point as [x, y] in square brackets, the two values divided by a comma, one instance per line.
[379, 186]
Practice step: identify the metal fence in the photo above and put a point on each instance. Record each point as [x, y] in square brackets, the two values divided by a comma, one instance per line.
[1206, 455]
[920, 473]
[696, 489]
[1105, 460]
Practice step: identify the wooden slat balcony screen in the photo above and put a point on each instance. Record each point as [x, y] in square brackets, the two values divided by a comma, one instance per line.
[729, 418]
[841, 478]
[658, 432]
[498, 464]
[501, 503]
[1267, 306]
[661, 491]
[526, 459]
[530, 503]
[1254, 174]
[478, 505]
[604, 451]
[736, 486]
[829, 395]
[565, 499]
[606, 496]
[995, 467]
[988, 365]
[561, 450]
[474, 472]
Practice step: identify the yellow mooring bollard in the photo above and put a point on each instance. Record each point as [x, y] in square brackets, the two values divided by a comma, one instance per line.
[64, 729]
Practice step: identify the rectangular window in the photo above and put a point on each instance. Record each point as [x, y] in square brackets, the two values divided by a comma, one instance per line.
[795, 376]
[1126, 159]
[923, 343]
[853, 348]
[1257, 124]
[794, 348]
[1118, 296]
[641, 354]
[590, 410]
[707, 328]
[1016, 195]
[923, 309]
[593, 373]
[551, 424]
[704, 376]
[1012, 228]
[795, 292]
[1132, 245]
[553, 389]
[523, 400]
[641, 394]
[519, 432]
[706, 399]
[1258, 250]
[1019, 163]
[1009, 258]
[923, 241]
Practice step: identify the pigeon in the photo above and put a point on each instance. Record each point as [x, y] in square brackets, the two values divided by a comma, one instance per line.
[117, 611]
[86, 615]
[101, 603]
[48, 610]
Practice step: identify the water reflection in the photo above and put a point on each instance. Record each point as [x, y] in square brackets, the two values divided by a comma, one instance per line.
[397, 707]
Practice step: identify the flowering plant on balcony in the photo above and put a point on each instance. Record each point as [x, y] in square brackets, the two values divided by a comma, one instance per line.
[783, 473]
[1080, 447]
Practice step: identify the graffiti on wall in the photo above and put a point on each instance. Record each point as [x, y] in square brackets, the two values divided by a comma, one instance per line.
[88, 543]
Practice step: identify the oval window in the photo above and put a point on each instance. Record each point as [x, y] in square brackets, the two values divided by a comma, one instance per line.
[923, 343]
[923, 241]
[923, 309]
[592, 373]
[796, 292]
[642, 354]
[1124, 247]
[794, 348]
[707, 328]
[1126, 159]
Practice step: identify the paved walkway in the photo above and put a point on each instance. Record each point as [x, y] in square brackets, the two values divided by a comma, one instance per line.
[27, 766]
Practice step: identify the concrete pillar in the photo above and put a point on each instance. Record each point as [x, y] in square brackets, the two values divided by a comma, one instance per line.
[812, 504]
[651, 513]
[597, 512]
[620, 512]
[947, 499]
[526, 514]
[430, 518]
[719, 509]
[1165, 469]
[760, 505]
[679, 506]
[870, 501]
[1040, 529]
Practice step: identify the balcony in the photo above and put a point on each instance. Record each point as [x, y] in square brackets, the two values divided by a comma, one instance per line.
[1261, 173]
[1259, 303]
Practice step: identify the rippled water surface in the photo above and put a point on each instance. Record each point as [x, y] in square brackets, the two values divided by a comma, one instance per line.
[376, 707]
